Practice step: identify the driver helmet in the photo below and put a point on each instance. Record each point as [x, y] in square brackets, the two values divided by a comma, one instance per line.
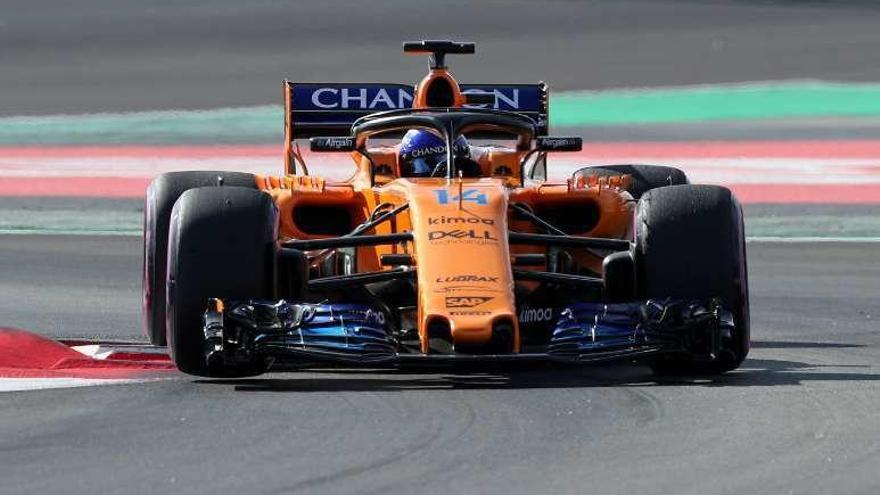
[421, 151]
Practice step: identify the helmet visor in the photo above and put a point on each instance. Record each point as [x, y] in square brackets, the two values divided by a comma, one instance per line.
[424, 166]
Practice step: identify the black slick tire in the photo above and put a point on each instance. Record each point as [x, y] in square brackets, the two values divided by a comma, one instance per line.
[690, 244]
[161, 196]
[221, 244]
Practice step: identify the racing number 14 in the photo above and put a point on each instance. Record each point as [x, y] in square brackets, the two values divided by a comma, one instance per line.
[467, 195]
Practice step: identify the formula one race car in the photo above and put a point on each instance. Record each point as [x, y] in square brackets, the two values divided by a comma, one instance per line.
[449, 251]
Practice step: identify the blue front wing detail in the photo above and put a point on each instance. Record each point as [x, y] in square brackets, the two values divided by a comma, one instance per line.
[360, 333]
[591, 330]
[341, 332]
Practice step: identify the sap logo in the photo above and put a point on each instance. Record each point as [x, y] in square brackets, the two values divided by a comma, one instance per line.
[535, 315]
[444, 220]
[466, 301]
[506, 99]
[360, 98]
[485, 235]
[472, 195]
[466, 278]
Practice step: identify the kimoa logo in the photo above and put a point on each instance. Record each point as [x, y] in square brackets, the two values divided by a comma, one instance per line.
[444, 220]
[466, 278]
[535, 315]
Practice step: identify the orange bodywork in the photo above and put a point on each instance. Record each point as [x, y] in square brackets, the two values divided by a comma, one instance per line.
[460, 248]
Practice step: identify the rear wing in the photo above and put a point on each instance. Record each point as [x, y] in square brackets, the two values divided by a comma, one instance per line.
[329, 109]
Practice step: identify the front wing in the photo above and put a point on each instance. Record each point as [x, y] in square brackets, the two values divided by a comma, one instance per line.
[238, 332]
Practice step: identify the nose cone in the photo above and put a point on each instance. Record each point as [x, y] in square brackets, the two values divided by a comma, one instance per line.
[461, 250]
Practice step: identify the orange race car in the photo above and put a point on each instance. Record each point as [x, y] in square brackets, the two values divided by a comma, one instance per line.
[447, 244]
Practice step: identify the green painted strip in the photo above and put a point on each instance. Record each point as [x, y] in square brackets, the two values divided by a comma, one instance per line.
[731, 102]
[262, 124]
[256, 124]
[86, 222]
[827, 226]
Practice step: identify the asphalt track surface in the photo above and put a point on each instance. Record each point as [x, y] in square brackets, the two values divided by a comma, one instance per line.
[799, 417]
[114, 55]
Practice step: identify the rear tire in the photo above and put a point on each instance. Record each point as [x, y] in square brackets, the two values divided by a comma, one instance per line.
[161, 196]
[221, 244]
[690, 244]
[644, 177]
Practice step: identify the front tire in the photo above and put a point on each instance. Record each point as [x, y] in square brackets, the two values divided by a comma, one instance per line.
[221, 244]
[161, 196]
[690, 244]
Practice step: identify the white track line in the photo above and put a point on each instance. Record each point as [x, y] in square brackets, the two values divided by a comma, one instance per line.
[23, 384]
[808, 239]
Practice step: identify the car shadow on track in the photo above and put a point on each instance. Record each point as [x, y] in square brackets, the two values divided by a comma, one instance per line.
[788, 344]
[753, 373]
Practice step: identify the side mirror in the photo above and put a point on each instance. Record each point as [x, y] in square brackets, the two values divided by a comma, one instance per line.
[546, 143]
[327, 144]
